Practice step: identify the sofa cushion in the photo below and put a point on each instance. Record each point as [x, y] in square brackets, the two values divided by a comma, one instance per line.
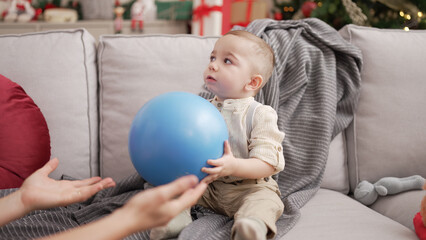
[336, 176]
[388, 135]
[332, 215]
[134, 69]
[58, 70]
[24, 136]
[400, 207]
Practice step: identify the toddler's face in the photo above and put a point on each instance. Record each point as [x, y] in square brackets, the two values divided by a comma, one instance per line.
[230, 67]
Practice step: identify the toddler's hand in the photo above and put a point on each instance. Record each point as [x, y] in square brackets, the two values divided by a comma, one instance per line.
[222, 167]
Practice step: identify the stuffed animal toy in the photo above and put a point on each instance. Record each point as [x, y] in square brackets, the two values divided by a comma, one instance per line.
[140, 12]
[419, 220]
[367, 193]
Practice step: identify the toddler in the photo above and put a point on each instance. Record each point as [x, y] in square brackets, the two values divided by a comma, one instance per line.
[240, 182]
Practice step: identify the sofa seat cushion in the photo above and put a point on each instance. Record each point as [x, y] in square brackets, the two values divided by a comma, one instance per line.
[401, 207]
[58, 70]
[24, 136]
[332, 215]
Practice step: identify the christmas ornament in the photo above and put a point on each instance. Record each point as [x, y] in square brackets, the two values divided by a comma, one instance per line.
[278, 16]
[308, 7]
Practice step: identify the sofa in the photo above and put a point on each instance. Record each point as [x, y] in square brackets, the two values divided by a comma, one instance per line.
[89, 93]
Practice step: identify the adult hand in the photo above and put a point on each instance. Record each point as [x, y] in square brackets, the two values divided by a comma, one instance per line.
[157, 206]
[39, 191]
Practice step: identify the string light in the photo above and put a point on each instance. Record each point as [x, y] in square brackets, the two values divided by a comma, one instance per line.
[401, 13]
[408, 17]
[406, 29]
[288, 9]
[420, 14]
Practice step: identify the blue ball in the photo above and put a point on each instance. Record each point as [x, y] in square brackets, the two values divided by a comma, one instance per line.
[174, 134]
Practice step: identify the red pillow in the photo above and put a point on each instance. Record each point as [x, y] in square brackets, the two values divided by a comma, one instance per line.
[24, 136]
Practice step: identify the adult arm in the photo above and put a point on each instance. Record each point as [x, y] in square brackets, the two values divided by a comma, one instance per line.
[39, 191]
[148, 209]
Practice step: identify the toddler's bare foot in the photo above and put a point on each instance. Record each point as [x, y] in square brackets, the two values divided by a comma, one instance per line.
[173, 228]
[249, 229]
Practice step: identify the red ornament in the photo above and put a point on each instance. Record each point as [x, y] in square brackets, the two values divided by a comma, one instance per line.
[4, 13]
[38, 12]
[50, 5]
[308, 7]
[278, 16]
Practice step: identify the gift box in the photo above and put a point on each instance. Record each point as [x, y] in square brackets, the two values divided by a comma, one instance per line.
[245, 11]
[210, 17]
[217, 17]
[174, 10]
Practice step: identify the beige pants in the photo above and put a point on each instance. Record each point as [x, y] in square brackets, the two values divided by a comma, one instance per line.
[246, 199]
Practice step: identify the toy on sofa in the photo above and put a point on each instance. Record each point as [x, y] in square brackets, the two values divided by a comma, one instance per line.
[20, 10]
[419, 220]
[367, 193]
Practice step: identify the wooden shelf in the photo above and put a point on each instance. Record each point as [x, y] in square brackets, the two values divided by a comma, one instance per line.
[96, 27]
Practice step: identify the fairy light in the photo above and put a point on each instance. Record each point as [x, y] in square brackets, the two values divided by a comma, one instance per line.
[420, 14]
[406, 29]
[401, 13]
[408, 16]
[288, 9]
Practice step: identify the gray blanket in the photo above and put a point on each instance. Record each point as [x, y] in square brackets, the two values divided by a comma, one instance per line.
[314, 89]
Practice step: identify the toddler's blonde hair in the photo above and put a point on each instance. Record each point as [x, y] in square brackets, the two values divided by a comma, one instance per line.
[265, 54]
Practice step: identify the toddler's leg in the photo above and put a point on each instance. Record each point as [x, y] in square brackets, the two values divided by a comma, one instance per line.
[259, 210]
[173, 228]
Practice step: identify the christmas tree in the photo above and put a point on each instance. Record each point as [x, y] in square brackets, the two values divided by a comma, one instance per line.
[402, 14]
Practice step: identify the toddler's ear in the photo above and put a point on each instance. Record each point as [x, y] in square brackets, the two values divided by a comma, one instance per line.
[255, 83]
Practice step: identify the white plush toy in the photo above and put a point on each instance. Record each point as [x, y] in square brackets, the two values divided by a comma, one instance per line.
[367, 193]
[142, 10]
[20, 10]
